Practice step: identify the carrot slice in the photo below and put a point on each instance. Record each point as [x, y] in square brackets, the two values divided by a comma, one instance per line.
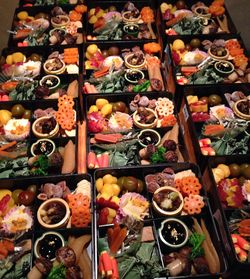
[193, 204]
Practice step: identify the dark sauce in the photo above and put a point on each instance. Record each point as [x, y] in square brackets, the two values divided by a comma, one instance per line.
[201, 11]
[174, 233]
[224, 67]
[148, 138]
[131, 28]
[50, 82]
[134, 75]
[43, 148]
[49, 245]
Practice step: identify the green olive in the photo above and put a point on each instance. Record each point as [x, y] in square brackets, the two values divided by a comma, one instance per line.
[195, 43]
[246, 172]
[17, 111]
[35, 57]
[32, 188]
[214, 100]
[234, 170]
[27, 114]
[130, 183]
[113, 50]
[140, 186]
[112, 8]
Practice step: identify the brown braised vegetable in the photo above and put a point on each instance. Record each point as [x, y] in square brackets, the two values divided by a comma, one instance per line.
[66, 256]
[73, 272]
[167, 200]
[170, 145]
[171, 156]
[200, 265]
[43, 265]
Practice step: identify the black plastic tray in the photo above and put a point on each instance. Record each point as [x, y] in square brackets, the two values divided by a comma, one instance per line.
[222, 215]
[121, 45]
[37, 230]
[180, 88]
[58, 140]
[190, 3]
[119, 6]
[141, 172]
[119, 97]
[12, 42]
[195, 128]
[182, 147]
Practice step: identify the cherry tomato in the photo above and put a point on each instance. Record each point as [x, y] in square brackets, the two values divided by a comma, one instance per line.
[26, 197]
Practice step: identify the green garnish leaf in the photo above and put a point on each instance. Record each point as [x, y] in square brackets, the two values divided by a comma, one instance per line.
[195, 240]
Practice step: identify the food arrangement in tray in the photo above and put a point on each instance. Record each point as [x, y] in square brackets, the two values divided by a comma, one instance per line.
[167, 193]
[121, 21]
[65, 255]
[16, 64]
[111, 115]
[232, 189]
[210, 61]
[238, 223]
[123, 200]
[48, 27]
[65, 202]
[40, 141]
[62, 61]
[198, 17]
[233, 184]
[113, 124]
[42, 88]
[221, 122]
[123, 69]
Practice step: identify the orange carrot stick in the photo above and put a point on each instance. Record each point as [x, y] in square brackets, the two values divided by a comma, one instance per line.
[7, 145]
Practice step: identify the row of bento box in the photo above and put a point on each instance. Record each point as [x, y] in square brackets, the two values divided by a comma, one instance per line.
[50, 209]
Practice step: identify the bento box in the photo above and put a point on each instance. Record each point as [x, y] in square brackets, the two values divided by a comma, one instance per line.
[131, 220]
[41, 220]
[208, 108]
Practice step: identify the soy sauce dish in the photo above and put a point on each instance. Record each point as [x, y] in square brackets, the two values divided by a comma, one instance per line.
[134, 75]
[149, 136]
[47, 245]
[173, 233]
[43, 147]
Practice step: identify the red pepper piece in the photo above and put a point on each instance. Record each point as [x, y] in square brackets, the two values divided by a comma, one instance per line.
[3, 203]
[107, 263]
[115, 274]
